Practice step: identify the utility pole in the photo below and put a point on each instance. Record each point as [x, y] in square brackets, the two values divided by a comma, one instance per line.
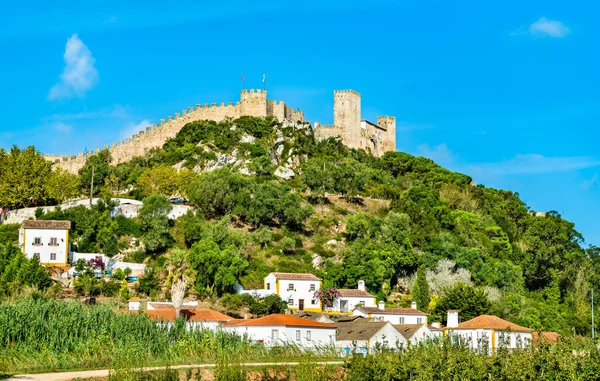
[92, 185]
[593, 329]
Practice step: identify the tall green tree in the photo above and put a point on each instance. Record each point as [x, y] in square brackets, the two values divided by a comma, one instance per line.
[154, 221]
[469, 300]
[99, 166]
[421, 290]
[23, 174]
[179, 276]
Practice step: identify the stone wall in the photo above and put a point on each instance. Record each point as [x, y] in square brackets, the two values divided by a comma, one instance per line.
[252, 103]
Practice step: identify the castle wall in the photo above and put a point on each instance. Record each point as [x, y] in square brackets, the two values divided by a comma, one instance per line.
[389, 124]
[325, 132]
[346, 115]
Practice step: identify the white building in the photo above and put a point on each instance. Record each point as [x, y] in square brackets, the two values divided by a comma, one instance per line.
[414, 333]
[349, 299]
[365, 337]
[277, 329]
[393, 315]
[298, 290]
[487, 333]
[196, 318]
[46, 240]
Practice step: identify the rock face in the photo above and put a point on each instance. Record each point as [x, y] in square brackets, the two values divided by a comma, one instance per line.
[317, 261]
[284, 173]
[222, 160]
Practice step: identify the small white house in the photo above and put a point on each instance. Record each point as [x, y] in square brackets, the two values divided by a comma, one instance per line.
[487, 333]
[297, 290]
[277, 329]
[196, 318]
[414, 333]
[393, 315]
[349, 299]
[365, 337]
[46, 240]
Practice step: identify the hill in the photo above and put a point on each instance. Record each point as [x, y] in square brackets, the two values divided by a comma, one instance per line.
[269, 197]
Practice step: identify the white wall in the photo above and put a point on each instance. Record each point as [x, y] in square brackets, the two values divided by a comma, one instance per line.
[45, 250]
[423, 333]
[395, 318]
[481, 339]
[319, 336]
[387, 337]
[352, 303]
[301, 290]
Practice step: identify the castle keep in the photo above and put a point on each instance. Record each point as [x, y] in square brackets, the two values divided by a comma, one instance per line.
[347, 125]
[354, 131]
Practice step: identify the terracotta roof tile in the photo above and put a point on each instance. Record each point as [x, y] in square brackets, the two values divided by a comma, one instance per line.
[296, 276]
[408, 330]
[278, 319]
[358, 331]
[350, 292]
[547, 337]
[490, 322]
[190, 314]
[390, 311]
[46, 224]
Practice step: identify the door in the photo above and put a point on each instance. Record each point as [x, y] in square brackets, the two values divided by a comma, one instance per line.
[301, 304]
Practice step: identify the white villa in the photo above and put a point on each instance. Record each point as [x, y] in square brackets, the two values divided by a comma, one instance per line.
[393, 315]
[364, 337]
[487, 333]
[46, 240]
[297, 290]
[349, 299]
[277, 329]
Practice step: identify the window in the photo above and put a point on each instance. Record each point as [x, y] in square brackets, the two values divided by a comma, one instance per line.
[312, 287]
[37, 241]
[268, 286]
[291, 287]
[361, 303]
[419, 320]
[53, 256]
[53, 241]
[401, 320]
[308, 336]
[36, 256]
[314, 302]
[275, 334]
[297, 335]
[291, 302]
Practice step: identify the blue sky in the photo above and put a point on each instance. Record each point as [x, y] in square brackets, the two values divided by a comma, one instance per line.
[506, 92]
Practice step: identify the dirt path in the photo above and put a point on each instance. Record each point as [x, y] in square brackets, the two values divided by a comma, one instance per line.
[104, 372]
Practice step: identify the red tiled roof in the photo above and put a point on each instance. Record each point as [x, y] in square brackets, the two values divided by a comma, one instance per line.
[160, 306]
[547, 337]
[490, 322]
[190, 314]
[278, 319]
[46, 224]
[295, 276]
[391, 311]
[349, 292]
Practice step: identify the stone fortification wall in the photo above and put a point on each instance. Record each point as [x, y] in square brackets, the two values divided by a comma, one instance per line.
[346, 114]
[252, 103]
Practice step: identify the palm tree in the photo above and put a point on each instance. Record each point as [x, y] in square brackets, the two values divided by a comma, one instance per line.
[180, 274]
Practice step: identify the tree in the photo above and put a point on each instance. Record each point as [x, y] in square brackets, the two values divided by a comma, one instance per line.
[421, 290]
[62, 185]
[469, 300]
[24, 173]
[154, 221]
[99, 166]
[180, 274]
[149, 282]
[162, 180]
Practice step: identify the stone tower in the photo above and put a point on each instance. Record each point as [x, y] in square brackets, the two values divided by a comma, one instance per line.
[388, 123]
[346, 116]
[253, 103]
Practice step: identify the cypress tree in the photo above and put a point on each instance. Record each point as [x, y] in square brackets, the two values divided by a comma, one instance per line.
[421, 290]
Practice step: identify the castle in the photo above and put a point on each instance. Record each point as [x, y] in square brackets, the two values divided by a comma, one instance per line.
[347, 125]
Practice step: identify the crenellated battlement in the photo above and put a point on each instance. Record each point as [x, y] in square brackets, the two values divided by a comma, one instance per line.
[349, 91]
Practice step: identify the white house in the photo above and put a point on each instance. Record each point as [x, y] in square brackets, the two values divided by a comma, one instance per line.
[196, 318]
[487, 333]
[297, 290]
[46, 240]
[349, 299]
[414, 333]
[393, 315]
[365, 337]
[277, 329]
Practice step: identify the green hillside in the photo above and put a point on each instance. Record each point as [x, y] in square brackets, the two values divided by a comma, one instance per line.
[345, 215]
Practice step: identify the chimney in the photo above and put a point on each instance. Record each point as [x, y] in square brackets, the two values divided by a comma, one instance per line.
[452, 319]
[134, 304]
[413, 305]
[381, 305]
[436, 325]
[361, 285]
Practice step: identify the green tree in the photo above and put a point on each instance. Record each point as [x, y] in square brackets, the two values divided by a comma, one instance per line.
[469, 300]
[162, 180]
[148, 283]
[154, 221]
[99, 165]
[421, 290]
[24, 173]
[62, 185]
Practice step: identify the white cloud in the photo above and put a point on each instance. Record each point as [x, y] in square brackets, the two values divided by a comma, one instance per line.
[135, 128]
[529, 164]
[79, 74]
[116, 112]
[62, 127]
[441, 154]
[591, 183]
[551, 28]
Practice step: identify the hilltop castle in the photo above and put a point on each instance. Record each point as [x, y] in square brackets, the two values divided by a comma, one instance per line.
[347, 125]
